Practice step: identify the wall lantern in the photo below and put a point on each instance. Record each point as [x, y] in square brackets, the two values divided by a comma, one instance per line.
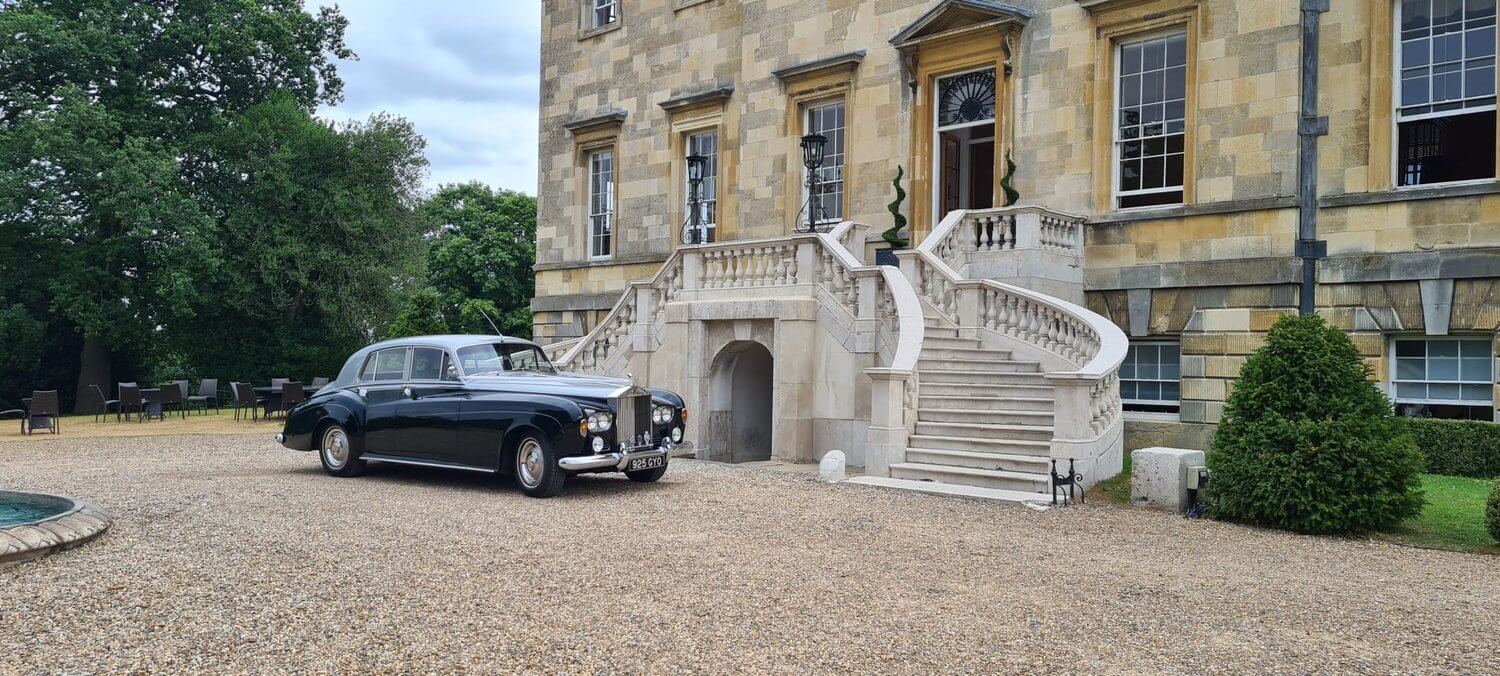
[693, 233]
[813, 148]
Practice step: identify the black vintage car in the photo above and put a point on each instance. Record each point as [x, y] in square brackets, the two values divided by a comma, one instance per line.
[485, 404]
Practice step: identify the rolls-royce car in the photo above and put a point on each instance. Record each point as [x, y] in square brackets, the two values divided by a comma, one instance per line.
[485, 404]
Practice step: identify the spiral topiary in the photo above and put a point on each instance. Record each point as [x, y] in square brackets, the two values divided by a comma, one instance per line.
[1307, 443]
[893, 235]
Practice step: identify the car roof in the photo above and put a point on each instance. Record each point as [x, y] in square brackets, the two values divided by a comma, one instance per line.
[452, 341]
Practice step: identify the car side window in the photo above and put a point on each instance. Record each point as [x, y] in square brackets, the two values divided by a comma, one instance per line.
[450, 372]
[390, 364]
[426, 363]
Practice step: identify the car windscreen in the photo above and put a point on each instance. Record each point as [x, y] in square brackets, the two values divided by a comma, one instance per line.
[496, 358]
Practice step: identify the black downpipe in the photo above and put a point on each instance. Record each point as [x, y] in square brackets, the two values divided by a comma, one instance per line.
[1309, 127]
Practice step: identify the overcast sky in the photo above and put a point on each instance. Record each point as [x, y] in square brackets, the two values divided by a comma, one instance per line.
[465, 72]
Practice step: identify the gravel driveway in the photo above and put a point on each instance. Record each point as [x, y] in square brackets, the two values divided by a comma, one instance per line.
[229, 553]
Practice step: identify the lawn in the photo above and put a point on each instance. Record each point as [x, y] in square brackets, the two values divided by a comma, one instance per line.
[1452, 519]
[84, 426]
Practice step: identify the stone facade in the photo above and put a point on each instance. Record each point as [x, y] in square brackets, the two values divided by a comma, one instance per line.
[1211, 273]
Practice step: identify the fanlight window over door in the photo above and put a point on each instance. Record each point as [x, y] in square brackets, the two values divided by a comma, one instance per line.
[966, 99]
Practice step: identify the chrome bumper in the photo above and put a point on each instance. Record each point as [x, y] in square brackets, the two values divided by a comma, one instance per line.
[618, 460]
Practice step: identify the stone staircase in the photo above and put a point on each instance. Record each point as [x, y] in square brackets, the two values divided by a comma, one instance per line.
[984, 419]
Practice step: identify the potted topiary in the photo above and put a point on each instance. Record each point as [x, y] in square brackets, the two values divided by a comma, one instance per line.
[1307, 443]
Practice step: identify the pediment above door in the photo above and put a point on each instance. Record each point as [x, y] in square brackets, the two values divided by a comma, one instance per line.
[951, 17]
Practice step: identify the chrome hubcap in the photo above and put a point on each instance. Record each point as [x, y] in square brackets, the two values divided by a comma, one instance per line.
[531, 463]
[335, 447]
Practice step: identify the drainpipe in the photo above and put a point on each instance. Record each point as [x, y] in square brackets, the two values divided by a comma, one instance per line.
[1309, 127]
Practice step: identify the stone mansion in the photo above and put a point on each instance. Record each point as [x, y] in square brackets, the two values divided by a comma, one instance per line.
[1108, 202]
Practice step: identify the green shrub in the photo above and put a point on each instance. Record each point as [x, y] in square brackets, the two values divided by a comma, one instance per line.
[1307, 443]
[1458, 447]
[1492, 512]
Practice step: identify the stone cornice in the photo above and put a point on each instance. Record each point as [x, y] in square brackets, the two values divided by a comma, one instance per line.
[971, 14]
[681, 101]
[1092, 6]
[578, 124]
[831, 64]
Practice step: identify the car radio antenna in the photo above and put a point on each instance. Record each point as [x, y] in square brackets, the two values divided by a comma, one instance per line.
[486, 316]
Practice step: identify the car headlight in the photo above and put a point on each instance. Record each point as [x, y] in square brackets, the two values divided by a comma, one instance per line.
[661, 415]
[598, 444]
[676, 435]
[600, 422]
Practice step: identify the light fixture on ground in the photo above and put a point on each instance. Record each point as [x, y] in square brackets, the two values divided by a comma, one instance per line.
[694, 233]
[813, 148]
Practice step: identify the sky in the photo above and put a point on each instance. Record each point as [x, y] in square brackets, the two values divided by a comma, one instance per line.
[465, 72]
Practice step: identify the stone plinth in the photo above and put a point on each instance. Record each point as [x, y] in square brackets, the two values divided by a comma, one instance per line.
[1159, 477]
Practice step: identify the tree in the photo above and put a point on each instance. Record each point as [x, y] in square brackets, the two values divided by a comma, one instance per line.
[318, 239]
[102, 103]
[422, 315]
[482, 246]
[1307, 443]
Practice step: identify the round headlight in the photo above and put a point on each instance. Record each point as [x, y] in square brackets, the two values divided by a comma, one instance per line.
[598, 444]
[676, 435]
[600, 422]
[661, 415]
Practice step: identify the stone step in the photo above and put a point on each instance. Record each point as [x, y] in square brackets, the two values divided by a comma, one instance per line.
[982, 445]
[949, 342]
[982, 403]
[1004, 462]
[930, 352]
[983, 416]
[948, 375]
[941, 332]
[978, 365]
[1024, 482]
[929, 388]
[952, 490]
[987, 431]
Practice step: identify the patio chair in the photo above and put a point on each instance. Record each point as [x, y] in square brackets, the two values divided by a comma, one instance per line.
[291, 395]
[319, 382]
[183, 386]
[244, 397]
[276, 383]
[105, 404]
[171, 399]
[208, 391]
[43, 404]
[131, 399]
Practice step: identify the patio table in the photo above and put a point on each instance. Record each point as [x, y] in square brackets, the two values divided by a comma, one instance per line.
[272, 395]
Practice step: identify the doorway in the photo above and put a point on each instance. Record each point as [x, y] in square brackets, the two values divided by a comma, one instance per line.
[965, 142]
[741, 392]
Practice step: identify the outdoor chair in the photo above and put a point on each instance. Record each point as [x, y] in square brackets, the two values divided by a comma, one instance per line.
[171, 399]
[276, 383]
[208, 391]
[291, 395]
[105, 404]
[131, 399]
[182, 385]
[319, 382]
[43, 405]
[244, 398]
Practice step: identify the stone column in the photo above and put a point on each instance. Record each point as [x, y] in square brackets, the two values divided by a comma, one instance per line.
[886, 442]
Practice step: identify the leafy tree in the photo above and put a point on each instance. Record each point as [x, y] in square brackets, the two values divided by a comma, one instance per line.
[1307, 443]
[422, 315]
[318, 237]
[482, 248]
[102, 105]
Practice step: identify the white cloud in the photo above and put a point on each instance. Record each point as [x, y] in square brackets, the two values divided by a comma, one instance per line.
[465, 72]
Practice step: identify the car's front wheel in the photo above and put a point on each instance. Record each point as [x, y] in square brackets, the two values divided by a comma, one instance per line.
[537, 473]
[337, 453]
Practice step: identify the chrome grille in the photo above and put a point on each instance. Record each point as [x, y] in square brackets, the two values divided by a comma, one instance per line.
[633, 420]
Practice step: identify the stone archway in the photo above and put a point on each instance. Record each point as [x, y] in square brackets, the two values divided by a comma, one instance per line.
[741, 395]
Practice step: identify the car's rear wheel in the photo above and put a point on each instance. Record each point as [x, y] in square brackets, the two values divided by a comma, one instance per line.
[647, 476]
[337, 453]
[536, 471]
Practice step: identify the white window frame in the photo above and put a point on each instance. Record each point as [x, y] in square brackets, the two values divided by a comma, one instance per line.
[1176, 403]
[1117, 144]
[1393, 371]
[594, 6]
[843, 131]
[604, 216]
[710, 197]
[1396, 95]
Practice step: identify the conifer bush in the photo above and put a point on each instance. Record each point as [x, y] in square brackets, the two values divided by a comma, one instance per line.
[1307, 443]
